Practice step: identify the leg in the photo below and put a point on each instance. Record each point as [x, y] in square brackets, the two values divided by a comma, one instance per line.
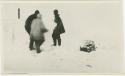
[59, 40]
[41, 41]
[31, 44]
[54, 39]
[37, 46]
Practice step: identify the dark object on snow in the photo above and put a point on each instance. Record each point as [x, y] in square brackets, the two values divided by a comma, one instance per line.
[18, 13]
[88, 46]
[90, 66]
[59, 29]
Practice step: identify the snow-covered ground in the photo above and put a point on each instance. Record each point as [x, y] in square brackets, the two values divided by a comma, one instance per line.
[100, 22]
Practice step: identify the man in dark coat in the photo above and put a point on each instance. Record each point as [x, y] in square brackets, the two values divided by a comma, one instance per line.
[28, 26]
[59, 29]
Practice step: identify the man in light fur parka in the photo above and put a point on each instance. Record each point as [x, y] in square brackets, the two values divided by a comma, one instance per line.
[37, 31]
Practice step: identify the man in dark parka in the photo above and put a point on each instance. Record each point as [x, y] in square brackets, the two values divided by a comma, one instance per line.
[28, 26]
[59, 29]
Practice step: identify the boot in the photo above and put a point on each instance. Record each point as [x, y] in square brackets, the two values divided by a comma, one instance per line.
[59, 42]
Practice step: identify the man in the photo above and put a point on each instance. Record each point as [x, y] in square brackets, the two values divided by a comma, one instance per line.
[28, 26]
[37, 32]
[59, 29]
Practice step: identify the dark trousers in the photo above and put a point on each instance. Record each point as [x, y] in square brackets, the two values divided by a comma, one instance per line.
[31, 44]
[38, 43]
[56, 38]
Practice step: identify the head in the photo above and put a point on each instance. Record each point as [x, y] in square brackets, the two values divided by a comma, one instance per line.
[55, 11]
[36, 12]
[39, 16]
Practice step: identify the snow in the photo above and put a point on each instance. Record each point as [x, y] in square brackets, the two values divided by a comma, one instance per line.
[97, 25]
